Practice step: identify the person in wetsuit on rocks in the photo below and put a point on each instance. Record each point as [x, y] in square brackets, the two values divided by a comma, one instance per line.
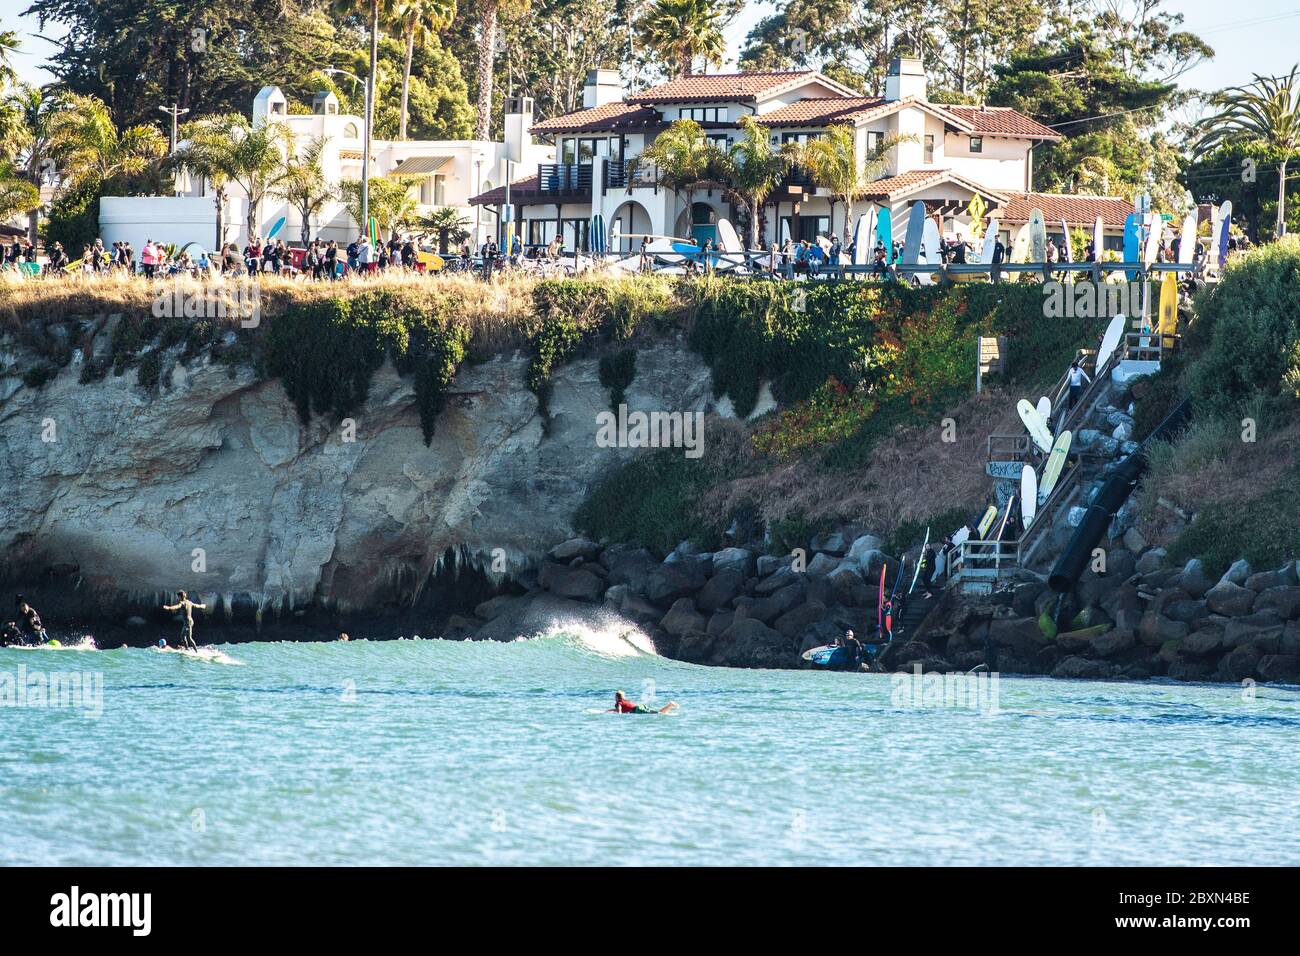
[30, 622]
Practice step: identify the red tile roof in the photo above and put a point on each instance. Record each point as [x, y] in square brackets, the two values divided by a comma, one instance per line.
[1001, 121]
[1075, 210]
[607, 117]
[895, 187]
[497, 195]
[814, 112]
[729, 86]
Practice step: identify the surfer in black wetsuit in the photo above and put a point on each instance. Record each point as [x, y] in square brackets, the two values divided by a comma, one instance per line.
[30, 622]
[187, 628]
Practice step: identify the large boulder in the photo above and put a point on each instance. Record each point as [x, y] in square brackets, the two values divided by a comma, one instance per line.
[751, 643]
[720, 622]
[1151, 561]
[1112, 642]
[628, 602]
[1238, 573]
[1263, 580]
[1080, 668]
[1019, 634]
[682, 618]
[1239, 663]
[771, 606]
[821, 565]
[1283, 600]
[721, 589]
[861, 548]
[1155, 631]
[832, 543]
[578, 583]
[1186, 610]
[627, 565]
[782, 578]
[1194, 580]
[1230, 599]
[1279, 668]
[847, 587]
[768, 564]
[1206, 640]
[501, 604]
[583, 548]
[664, 583]
[1262, 630]
[1024, 597]
[794, 622]
[734, 559]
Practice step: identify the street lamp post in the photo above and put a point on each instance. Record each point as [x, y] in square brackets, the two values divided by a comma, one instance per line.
[175, 112]
[365, 148]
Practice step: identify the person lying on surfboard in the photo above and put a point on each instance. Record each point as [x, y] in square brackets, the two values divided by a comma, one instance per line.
[624, 706]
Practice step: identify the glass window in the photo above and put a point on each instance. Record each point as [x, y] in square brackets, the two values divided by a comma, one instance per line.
[350, 131]
[566, 151]
[426, 191]
[874, 138]
[439, 190]
[977, 144]
[929, 148]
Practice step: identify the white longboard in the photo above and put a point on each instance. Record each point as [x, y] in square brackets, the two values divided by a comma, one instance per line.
[930, 242]
[1028, 496]
[1098, 238]
[727, 238]
[990, 242]
[1045, 408]
[1055, 463]
[1110, 341]
[1155, 227]
[1069, 250]
[1035, 424]
[1187, 240]
[864, 238]
[1037, 236]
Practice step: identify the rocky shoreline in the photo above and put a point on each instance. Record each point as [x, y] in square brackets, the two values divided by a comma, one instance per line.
[1139, 620]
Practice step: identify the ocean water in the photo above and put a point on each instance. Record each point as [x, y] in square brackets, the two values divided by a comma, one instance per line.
[436, 752]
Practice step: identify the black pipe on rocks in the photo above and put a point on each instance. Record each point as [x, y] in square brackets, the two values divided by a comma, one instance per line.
[1109, 499]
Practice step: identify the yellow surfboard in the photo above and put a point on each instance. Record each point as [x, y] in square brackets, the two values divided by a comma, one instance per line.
[431, 260]
[1168, 304]
[986, 522]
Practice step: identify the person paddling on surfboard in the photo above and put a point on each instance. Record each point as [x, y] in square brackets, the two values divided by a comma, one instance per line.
[624, 706]
[187, 628]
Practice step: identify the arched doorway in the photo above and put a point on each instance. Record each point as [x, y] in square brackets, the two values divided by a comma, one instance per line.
[630, 222]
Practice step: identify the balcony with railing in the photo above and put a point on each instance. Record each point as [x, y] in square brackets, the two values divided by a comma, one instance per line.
[564, 179]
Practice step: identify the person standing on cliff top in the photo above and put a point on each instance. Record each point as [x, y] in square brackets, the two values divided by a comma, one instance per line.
[187, 629]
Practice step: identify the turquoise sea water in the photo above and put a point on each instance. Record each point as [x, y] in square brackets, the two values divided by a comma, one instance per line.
[434, 752]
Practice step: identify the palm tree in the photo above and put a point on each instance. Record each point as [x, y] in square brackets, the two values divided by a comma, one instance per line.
[449, 224]
[233, 149]
[750, 170]
[684, 157]
[31, 113]
[9, 44]
[88, 145]
[17, 195]
[832, 161]
[1267, 111]
[681, 30]
[489, 11]
[391, 202]
[418, 20]
[303, 184]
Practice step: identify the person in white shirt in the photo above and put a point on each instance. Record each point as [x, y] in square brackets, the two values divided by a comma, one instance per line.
[1078, 379]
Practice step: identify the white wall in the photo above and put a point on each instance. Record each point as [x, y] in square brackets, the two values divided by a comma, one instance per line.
[1002, 165]
[166, 219]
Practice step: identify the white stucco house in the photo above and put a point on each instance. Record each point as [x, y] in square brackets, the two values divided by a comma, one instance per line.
[446, 173]
[953, 154]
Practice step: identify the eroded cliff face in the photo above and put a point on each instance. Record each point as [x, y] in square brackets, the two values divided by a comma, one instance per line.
[114, 489]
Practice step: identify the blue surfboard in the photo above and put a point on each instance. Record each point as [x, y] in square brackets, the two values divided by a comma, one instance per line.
[1133, 242]
[825, 655]
[885, 233]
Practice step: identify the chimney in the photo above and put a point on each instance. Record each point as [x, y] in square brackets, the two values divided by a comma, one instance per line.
[603, 86]
[906, 77]
[519, 117]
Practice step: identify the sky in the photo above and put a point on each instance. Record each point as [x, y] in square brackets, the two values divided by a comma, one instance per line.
[1256, 37]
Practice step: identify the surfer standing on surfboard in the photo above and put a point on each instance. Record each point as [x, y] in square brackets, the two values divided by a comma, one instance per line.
[187, 629]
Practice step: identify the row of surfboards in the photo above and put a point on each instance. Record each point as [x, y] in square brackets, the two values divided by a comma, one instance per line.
[1143, 237]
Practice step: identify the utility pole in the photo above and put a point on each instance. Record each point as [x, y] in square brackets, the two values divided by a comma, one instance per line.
[175, 112]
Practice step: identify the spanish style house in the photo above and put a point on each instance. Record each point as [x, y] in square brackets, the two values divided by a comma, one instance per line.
[949, 155]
